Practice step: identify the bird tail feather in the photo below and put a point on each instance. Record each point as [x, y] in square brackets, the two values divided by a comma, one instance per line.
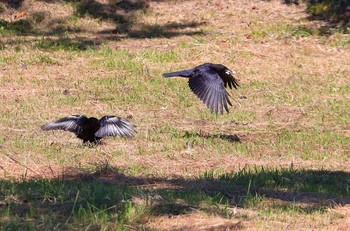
[184, 73]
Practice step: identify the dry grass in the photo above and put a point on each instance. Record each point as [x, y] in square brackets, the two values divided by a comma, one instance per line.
[295, 82]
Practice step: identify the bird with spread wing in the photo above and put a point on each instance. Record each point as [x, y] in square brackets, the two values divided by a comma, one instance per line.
[91, 129]
[208, 81]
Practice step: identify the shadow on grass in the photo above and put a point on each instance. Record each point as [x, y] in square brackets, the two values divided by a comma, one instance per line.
[153, 31]
[13, 3]
[20, 27]
[123, 14]
[109, 198]
[229, 138]
[335, 14]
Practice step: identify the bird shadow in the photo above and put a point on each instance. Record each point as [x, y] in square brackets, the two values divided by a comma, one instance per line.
[226, 137]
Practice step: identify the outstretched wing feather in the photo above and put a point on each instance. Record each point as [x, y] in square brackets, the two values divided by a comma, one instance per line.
[115, 126]
[209, 88]
[229, 80]
[71, 123]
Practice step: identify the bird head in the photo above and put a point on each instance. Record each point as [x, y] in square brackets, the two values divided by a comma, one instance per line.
[230, 72]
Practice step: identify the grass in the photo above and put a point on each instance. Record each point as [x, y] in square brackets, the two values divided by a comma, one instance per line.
[278, 159]
[81, 204]
[60, 44]
[88, 200]
[18, 27]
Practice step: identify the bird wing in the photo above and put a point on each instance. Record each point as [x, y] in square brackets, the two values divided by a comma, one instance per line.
[224, 73]
[209, 87]
[115, 126]
[229, 80]
[71, 123]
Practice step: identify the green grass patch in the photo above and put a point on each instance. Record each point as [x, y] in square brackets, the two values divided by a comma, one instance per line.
[160, 56]
[65, 44]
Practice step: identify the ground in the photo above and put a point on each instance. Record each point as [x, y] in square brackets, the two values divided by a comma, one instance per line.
[278, 160]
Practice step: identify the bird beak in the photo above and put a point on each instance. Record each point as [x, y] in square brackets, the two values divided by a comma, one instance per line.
[230, 72]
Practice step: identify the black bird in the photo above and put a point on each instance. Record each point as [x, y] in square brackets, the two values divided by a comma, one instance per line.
[208, 81]
[91, 129]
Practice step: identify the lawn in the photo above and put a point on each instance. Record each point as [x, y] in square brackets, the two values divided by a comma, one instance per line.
[279, 160]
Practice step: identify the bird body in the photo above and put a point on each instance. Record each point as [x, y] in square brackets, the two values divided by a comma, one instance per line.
[208, 81]
[91, 129]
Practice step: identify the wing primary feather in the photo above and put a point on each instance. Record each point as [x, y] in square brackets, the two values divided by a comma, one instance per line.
[212, 100]
[195, 87]
[200, 92]
[70, 123]
[235, 83]
[228, 100]
[115, 126]
[205, 94]
[216, 101]
[221, 103]
[208, 96]
[228, 82]
[219, 100]
[224, 101]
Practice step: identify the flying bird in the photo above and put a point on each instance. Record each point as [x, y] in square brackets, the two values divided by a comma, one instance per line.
[91, 129]
[208, 81]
